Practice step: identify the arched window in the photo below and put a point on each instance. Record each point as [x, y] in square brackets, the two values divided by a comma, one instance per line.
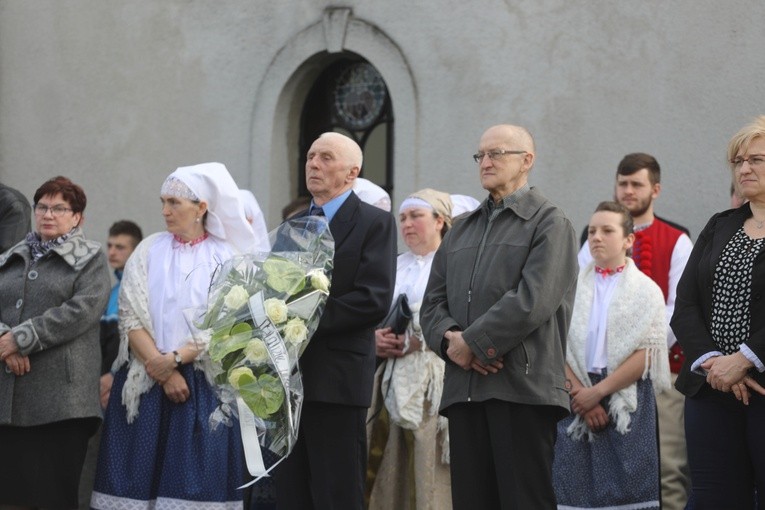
[350, 97]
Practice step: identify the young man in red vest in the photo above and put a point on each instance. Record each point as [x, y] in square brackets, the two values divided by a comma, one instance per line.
[661, 250]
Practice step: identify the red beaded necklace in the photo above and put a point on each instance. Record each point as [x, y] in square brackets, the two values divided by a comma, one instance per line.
[193, 241]
[608, 272]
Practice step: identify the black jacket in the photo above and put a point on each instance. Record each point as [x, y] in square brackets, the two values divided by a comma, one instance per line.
[339, 363]
[693, 307]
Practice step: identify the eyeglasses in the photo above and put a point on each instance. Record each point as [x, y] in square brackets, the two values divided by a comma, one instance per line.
[494, 155]
[754, 160]
[57, 210]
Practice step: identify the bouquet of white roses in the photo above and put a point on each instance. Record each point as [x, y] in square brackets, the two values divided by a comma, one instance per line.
[262, 310]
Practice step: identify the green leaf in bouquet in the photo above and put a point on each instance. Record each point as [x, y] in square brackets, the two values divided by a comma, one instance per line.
[263, 396]
[229, 341]
[284, 275]
[241, 328]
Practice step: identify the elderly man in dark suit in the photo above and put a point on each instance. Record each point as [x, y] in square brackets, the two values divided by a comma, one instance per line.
[327, 466]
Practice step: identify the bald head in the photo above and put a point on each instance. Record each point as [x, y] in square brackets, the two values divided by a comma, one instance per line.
[506, 156]
[347, 147]
[518, 136]
[332, 165]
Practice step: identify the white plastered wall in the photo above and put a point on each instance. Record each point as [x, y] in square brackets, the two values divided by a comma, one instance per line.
[280, 96]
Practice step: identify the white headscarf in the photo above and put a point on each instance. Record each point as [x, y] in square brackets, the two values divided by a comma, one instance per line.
[212, 183]
[462, 204]
[257, 221]
[371, 193]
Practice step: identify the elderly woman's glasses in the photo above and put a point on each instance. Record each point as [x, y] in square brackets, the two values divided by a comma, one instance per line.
[754, 160]
[494, 155]
[57, 210]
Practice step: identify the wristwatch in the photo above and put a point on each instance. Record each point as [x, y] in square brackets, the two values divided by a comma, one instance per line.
[178, 359]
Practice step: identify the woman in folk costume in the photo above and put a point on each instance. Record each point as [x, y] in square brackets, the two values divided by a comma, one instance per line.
[414, 468]
[606, 454]
[157, 449]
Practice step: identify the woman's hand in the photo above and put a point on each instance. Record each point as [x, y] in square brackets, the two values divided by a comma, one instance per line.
[9, 353]
[725, 371]
[742, 389]
[105, 384]
[7, 345]
[176, 388]
[160, 367]
[18, 364]
[585, 399]
[596, 418]
[387, 344]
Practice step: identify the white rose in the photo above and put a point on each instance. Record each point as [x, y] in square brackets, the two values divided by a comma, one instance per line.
[319, 280]
[236, 297]
[276, 309]
[256, 351]
[241, 376]
[295, 331]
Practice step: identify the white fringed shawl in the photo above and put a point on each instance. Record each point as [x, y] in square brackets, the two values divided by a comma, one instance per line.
[636, 320]
[134, 314]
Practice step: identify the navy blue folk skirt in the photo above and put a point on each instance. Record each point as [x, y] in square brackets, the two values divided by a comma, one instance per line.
[615, 471]
[168, 457]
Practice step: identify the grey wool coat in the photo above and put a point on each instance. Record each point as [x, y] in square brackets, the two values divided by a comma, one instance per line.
[53, 309]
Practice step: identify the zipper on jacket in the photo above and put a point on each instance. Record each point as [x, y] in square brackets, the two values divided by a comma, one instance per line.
[470, 292]
[526, 356]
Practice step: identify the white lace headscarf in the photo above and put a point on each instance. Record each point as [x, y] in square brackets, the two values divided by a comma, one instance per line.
[371, 193]
[254, 215]
[211, 183]
[463, 204]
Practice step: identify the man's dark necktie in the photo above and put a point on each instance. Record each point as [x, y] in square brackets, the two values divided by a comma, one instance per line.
[315, 226]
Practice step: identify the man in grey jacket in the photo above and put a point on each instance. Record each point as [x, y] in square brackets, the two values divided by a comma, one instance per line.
[497, 307]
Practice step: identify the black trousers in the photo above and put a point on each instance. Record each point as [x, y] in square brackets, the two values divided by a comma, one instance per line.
[501, 455]
[327, 466]
[41, 465]
[726, 451]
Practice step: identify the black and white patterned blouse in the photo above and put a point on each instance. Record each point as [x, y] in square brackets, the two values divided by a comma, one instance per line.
[732, 292]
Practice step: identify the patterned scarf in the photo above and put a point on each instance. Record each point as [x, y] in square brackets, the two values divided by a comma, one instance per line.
[39, 248]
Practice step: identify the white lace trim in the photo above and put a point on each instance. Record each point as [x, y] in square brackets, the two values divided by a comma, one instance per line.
[101, 501]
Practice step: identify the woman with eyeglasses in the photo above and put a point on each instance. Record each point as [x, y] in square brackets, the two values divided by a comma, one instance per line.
[719, 320]
[55, 285]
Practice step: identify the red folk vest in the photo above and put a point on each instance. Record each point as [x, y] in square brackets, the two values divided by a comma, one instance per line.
[652, 253]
